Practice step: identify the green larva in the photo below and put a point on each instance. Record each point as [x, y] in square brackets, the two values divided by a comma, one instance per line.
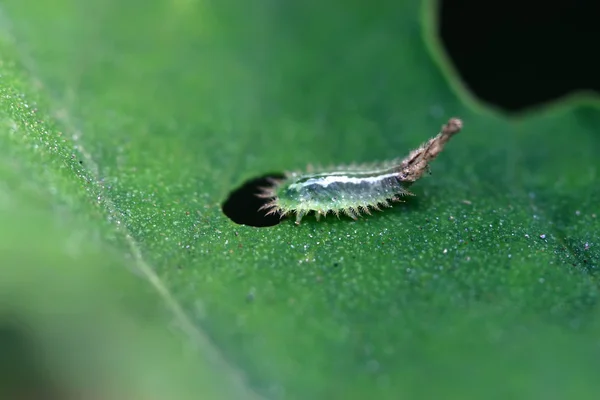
[355, 189]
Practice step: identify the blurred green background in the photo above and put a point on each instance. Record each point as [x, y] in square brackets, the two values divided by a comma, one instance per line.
[125, 125]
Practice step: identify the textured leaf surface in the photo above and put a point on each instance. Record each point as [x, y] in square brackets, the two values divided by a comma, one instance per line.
[136, 119]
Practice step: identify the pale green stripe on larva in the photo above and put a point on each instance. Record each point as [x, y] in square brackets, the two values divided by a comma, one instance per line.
[354, 190]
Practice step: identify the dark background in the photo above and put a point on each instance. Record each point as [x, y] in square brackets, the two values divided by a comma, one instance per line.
[520, 54]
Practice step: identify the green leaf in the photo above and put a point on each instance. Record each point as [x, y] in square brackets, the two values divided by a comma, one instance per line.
[125, 125]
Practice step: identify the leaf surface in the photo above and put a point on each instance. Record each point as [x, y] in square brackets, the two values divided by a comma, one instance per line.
[154, 111]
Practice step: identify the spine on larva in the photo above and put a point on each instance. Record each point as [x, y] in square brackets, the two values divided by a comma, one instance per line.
[352, 191]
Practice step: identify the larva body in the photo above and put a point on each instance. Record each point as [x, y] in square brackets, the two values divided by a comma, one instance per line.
[335, 192]
[355, 189]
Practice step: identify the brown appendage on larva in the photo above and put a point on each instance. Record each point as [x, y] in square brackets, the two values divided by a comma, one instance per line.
[417, 162]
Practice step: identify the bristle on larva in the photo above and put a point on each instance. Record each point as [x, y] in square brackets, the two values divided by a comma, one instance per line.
[353, 190]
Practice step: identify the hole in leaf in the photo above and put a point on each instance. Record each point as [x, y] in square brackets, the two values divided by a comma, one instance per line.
[516, 55]
[242, 204]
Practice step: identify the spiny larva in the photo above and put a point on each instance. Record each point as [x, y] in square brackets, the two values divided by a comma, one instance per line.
[355, 189]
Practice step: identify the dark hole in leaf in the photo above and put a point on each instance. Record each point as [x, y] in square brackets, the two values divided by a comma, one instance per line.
[517, 55]
[242, 204]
